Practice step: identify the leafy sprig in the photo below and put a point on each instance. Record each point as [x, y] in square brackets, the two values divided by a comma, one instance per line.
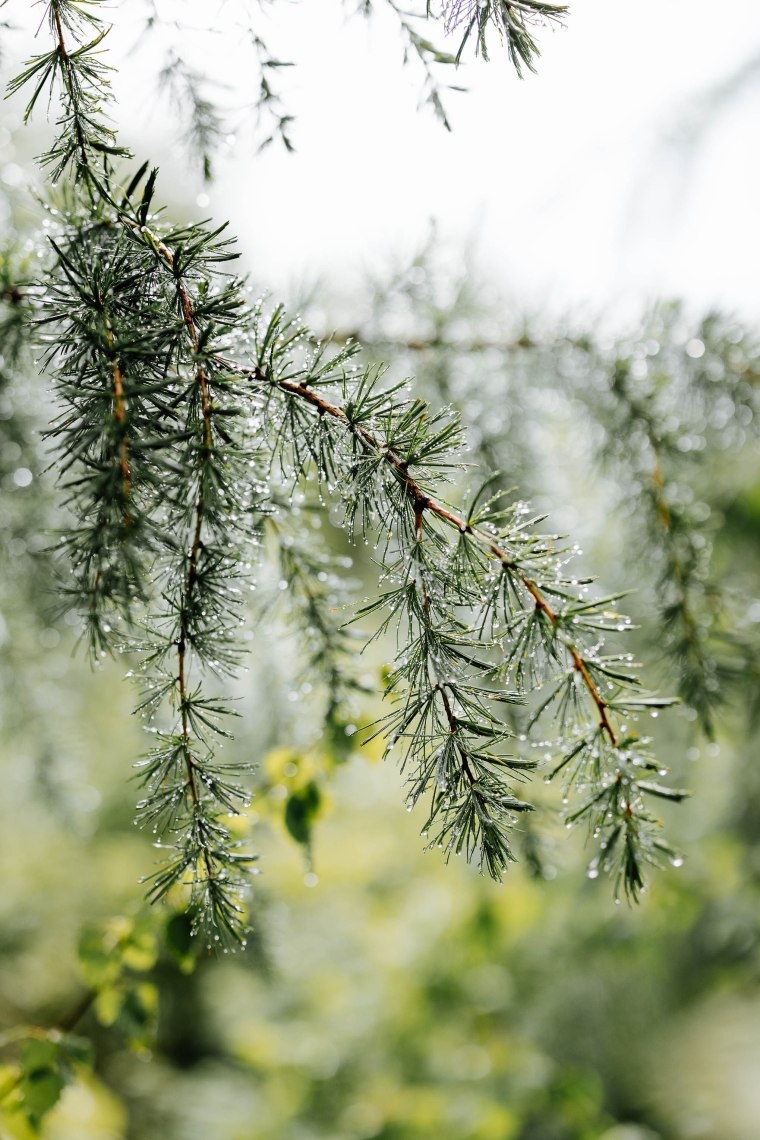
[514, 21]
[85, 132]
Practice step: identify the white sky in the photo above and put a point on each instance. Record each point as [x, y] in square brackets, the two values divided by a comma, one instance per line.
[565, 182]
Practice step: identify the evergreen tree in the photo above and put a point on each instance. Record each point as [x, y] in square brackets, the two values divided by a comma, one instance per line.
[194, 428]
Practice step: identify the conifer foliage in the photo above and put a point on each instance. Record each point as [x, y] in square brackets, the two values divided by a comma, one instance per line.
[188, 414]
[514, 23]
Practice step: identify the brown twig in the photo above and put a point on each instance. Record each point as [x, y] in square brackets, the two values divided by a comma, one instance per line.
[187, 316]
[119, 414]
[435, 342]
[66, 67]
[59, 32]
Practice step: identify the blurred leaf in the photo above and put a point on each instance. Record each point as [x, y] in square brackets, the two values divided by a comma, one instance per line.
[301, 810]
[178, 937]
[42, 1078]
[132, 1009]
[106, 950]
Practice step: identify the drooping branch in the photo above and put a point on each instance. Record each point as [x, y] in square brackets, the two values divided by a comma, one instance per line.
[195, 482]
[423, 502]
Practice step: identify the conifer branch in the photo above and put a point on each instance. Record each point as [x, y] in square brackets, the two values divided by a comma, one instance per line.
[132, 266]
[478, 599]
[684, 570]
[314, 584]
[84, 130]
[423, 502]
[646, 428]
[513, 20]
[616, 808]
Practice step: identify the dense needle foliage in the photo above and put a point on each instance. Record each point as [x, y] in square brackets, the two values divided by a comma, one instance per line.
[187, 416]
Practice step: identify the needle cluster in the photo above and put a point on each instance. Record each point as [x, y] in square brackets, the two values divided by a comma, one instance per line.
[515, 23]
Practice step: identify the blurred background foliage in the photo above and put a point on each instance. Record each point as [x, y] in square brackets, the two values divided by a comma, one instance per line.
[385, 994]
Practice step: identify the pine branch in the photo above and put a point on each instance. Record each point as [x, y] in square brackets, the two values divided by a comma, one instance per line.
[186, 503]
[204, 123]
[167, 443]
[618, 809]
[514, 21]
[85, 133]
[706, 647]
[691, 604]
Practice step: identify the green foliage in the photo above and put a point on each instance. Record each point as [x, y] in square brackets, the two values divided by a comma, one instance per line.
[186, 88]
[301, 810]
[514, 21]
[47, 1065]
[654, 401]
[419, 997]
[180, 405]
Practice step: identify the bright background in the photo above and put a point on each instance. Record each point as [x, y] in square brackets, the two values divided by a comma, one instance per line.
[628, 169]
[623, 171]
